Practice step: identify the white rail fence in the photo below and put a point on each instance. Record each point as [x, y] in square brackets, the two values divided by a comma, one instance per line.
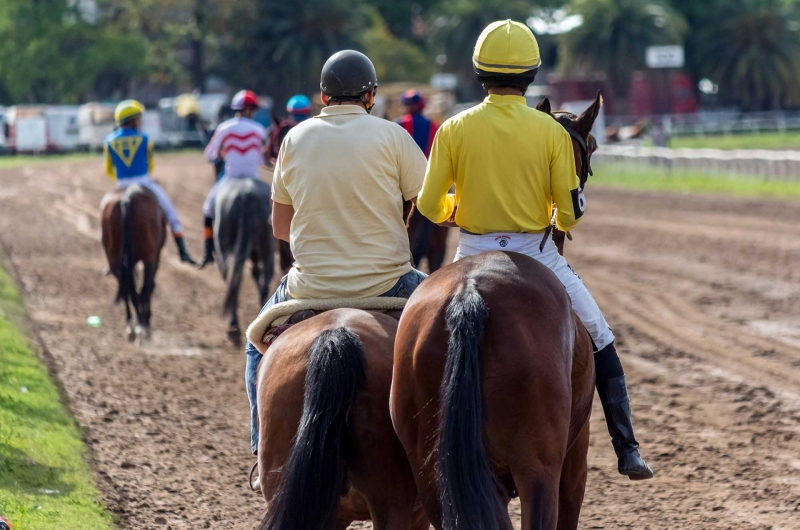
[764, 164]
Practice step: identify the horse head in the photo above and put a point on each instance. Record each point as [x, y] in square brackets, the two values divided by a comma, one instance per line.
[583, 144]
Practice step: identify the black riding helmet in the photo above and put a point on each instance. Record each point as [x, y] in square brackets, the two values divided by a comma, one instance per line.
[348, 74]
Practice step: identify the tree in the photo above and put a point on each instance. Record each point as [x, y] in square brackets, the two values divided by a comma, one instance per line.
[615, 34]
[283, 47]
[750, 48]
[54, 52]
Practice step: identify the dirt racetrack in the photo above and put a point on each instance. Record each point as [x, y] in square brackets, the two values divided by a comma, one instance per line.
[703, 293]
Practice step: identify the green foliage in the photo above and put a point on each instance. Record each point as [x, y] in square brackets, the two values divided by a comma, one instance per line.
[282, 48]
[51, 54]
[395, 59]
[753, 52]
[45, 483]
[615, 34]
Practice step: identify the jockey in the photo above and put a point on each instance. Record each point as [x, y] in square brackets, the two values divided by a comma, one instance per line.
[338, 190]
[239, 141]
[509, 163]
[299, 109]
[421, 129]
[129, 160]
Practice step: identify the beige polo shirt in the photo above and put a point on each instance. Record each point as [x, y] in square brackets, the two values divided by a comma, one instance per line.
[346, 174]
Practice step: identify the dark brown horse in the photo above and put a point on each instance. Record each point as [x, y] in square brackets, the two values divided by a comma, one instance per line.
[328, 454]
[428, 240]
[134, 229]
[493, 386]
[583, 146]
[278, 131]
[491, 396]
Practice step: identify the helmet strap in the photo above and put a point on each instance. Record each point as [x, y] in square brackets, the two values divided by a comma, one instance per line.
[366, 103]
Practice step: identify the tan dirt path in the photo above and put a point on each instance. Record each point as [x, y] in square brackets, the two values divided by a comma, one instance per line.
[703, 293]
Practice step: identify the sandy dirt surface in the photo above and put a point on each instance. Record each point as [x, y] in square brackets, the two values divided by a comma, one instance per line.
[703, 293]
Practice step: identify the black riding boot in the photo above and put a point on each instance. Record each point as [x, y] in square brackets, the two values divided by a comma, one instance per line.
[617, 409]
[208, 249]
[185, 257]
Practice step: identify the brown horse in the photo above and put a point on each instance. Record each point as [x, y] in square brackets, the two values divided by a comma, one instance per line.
[493, 386]
[134, 229]
[328, 454]
[583, 146]
[428, 240]
[491, 396]
[278, 131]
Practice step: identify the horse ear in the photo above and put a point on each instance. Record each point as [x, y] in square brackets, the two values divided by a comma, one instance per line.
[587, 119]
[274, 117]
[544, 106]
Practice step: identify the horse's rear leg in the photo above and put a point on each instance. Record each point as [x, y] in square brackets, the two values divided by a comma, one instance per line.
[143, 309]
[538, 495]
[573, 482]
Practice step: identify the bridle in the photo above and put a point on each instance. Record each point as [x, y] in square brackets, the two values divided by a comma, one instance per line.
[586, 169]
[586, 156]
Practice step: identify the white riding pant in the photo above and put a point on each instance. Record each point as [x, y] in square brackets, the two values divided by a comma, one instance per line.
[582, 301]
[163, 200]
[208, 205]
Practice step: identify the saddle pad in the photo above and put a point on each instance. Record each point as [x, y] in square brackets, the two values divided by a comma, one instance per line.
[258, 332]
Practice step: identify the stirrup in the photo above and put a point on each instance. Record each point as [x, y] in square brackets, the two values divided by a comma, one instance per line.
[251, 481]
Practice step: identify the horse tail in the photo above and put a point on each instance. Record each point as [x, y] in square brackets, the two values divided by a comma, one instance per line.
[127, 284]
[314, 475]
[468, 487]
[241, 251]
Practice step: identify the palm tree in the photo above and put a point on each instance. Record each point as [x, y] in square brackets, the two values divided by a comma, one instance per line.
[455, 26]
[615, 34]
[753, 53]
[283, 49]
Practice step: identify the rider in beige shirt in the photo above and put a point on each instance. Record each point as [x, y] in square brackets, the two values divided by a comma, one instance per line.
[345, 174]
[338, 191]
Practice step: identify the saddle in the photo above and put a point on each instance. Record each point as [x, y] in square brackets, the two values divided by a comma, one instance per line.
[273, 322]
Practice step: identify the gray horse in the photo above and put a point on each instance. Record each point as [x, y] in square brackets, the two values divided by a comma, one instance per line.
[242, 230]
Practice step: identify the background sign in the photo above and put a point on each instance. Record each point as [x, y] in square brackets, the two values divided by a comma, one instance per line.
[664, 56]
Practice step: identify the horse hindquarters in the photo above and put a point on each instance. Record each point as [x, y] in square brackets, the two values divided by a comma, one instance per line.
[314, 474]
[575, 468]
[468, 488]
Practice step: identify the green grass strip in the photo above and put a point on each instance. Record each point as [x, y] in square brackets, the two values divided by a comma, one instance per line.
[643, 177]
[765, 140]
[45, 481]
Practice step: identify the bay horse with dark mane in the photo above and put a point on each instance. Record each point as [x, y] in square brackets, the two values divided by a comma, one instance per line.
[134, 229]
[493, 386]
[328, 454]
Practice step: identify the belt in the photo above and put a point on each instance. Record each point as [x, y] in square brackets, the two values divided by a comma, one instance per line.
[546, 235]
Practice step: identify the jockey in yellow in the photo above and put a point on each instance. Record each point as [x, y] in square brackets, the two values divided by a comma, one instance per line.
[129, 160]
[509, 164]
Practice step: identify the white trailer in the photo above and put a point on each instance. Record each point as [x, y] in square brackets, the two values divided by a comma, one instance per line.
[62, 127]
[95, 122]
[27, 129]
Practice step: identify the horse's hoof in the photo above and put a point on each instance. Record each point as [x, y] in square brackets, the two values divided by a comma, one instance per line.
[235, 336]
[130, 333]
[142, 335]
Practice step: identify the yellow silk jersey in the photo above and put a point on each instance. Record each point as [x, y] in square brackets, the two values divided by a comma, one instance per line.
[509, 163]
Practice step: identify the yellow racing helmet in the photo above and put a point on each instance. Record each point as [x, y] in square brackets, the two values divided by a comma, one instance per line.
[506, 48]
[127, 110]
